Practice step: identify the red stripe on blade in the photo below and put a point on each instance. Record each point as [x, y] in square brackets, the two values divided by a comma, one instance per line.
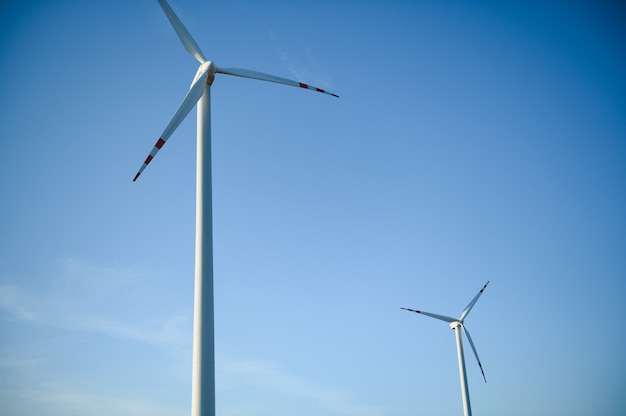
[159, 144]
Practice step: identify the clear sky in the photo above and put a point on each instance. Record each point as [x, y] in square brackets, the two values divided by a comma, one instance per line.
[473, 141]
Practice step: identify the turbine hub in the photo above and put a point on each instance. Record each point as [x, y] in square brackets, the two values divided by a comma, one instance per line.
[455, 325]
[208, 67]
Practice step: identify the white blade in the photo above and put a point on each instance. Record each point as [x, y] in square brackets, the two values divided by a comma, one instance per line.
[474, 349]
[190, 100]
[188, 42]
[471, 304]
[246, 73]
[432, 315]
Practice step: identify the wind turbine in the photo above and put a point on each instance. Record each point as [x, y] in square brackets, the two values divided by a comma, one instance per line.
[457, 324]
[203, 367]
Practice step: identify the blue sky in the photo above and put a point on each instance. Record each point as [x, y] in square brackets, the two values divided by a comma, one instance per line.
[473, 141]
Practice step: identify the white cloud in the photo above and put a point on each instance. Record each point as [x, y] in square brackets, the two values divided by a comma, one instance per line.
[269, 377]
[302, 63]
[46, 364]
[81, 296]
[59, 401]
[16, 302]
[170, 330]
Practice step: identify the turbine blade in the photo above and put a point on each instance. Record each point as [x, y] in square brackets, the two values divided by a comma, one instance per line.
[246, 73]
[469, 338]
[469, 307]
[188, 42]
[433, 315]
[190, 100]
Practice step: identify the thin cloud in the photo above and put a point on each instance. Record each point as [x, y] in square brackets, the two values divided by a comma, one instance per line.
[301, 62]
[78, 298]
[173, 329]
[16, 303]
[269, 377]
[82, 296]
[59, 401]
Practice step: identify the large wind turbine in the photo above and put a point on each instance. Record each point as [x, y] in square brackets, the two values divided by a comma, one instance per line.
[457, 324]
[203, 368]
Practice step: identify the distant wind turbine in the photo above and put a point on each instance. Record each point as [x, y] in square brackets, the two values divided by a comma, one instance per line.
[457, 324]
[203, 367]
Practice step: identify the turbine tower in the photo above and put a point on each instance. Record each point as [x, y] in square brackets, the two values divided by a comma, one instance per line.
[456, 325]
[203, 366]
